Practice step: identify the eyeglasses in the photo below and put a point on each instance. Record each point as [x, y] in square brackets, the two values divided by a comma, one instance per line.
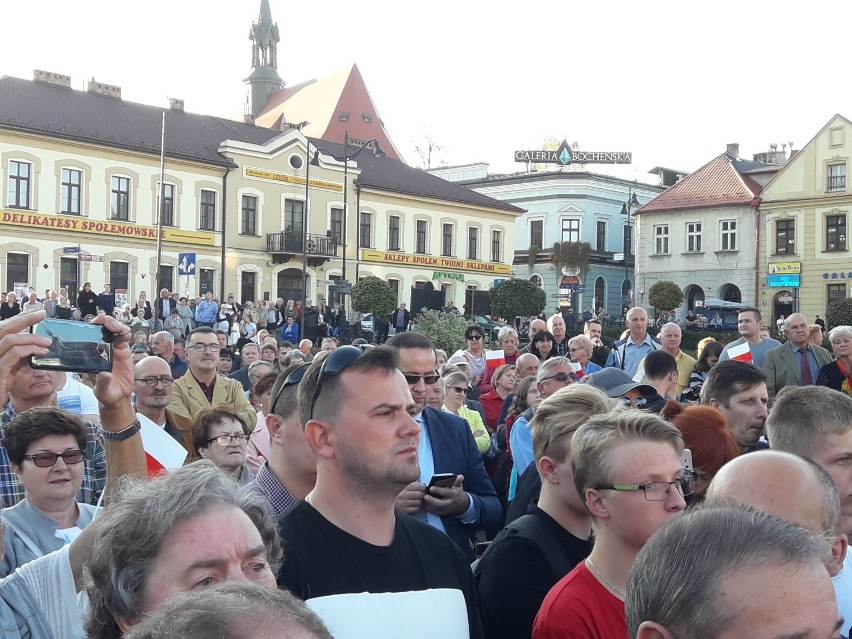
[659, 490]
[574, 350]
[46, 460]
[474, 338]
[559, 377]
[428, 378]
[152, 380]
[200, 348]
[225, 440]
[293, 378]
[639, 402]
[334, 364]
[459, 389]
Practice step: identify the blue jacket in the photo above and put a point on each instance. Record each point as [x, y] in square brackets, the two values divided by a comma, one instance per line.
[290, 333]
[454, 451]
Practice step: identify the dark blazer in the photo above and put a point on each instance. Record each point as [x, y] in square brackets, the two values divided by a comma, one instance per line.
[406, 317]
[242, 377]
[159, 308]
[454, 451]
[781, 369]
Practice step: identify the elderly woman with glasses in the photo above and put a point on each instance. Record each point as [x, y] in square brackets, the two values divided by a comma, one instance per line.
[580, 349]
[474, 354]
[221, 435]
[507, 340]
[455, 392]
[46, 448]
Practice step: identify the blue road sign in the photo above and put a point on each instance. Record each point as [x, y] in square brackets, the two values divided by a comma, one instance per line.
[186, 263]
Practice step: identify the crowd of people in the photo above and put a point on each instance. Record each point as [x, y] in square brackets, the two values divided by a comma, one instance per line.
[563, 488]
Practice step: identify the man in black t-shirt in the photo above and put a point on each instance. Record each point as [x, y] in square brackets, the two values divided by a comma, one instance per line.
[364, 568]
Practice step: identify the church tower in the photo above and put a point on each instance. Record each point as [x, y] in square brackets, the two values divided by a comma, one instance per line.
[264, 79]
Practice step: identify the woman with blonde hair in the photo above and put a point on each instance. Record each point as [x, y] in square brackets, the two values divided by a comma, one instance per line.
[580, 349]
[455, 392]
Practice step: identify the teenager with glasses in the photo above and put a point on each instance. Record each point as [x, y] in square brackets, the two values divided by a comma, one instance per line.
[46, 448]
[628, 472]
[220, 435]
[357, 413]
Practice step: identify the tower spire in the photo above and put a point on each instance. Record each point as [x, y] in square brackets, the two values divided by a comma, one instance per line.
[264, 79]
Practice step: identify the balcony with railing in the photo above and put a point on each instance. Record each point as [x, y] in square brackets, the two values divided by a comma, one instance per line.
[286, 245]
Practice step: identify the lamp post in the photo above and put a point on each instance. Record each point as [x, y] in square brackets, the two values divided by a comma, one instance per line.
[626, 209]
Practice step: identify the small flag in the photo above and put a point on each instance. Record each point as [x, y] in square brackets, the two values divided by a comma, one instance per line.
[578, 370]
[741, 353]
[162, 451]
[493, 359]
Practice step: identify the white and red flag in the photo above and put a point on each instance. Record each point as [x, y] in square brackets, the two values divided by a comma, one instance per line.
[493, 359]
[162, 451]
[741, 353]
[578, 370]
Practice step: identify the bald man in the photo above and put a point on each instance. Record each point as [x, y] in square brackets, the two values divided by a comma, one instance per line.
[795, 363]
[794, 489]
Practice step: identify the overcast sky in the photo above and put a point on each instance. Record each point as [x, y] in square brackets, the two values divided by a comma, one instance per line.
[673, 82]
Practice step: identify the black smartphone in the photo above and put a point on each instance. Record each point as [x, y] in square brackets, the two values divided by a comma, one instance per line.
[76, 346]
[442, 480]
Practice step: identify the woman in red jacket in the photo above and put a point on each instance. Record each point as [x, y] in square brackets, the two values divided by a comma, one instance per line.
[503, 381]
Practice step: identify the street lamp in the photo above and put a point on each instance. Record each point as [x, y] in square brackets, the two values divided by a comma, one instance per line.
[626, 209]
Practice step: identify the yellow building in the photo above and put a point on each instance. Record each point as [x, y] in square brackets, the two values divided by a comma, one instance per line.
[802, 233]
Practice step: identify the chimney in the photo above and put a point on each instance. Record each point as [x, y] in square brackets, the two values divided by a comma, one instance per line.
[101, 88]
[734, 149]
[176, 104]
[52, 78]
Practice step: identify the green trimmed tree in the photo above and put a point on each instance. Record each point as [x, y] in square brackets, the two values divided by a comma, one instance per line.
[373, 295]
[839, 313]
[517, 298]
[665, 296]
[445, 330]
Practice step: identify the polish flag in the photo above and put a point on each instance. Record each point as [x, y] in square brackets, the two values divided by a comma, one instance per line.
[741, 353]
[578, 370]
[162, 452]
[493, 359]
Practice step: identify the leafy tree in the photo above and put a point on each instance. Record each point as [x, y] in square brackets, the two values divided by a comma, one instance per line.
[373, 295]
[446, 330]
[665, 295]
[839, 313]
[517, 298]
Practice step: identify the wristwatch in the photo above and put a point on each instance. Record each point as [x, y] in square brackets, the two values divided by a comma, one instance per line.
[121, 435]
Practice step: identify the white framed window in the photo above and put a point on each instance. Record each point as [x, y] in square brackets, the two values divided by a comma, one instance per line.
[693, 237]
[836, 178]
[728, 235]
[661, 239]
[571, 230]
[496, 246]
[20, 184]
[71, 191]
[120, 197]
[207, 211]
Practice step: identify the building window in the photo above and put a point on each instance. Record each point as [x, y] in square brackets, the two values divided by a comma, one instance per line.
[248, 286]
[337, 225]
[571, 230]
[728, 235]
[836, 292]
[168, 205]
[420, 240]
[661, 239]
[207, 220]
[206, 278]
[19, 185]
[394, 286]
[120, 198]
[366, 231]
[393, 233]
[835, 233]
[70, 191]
[496, 246]
[17, 270]
[119, 276]
[836, 178]
[693, 237]
[472, 243]
[600, 236]
[167, 277]
[447, 244]
[248, 218]
[785, 237]
[293, 218]
[537, 233]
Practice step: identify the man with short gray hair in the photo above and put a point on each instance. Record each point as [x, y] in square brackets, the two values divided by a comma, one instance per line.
[627, 354]
[719, 571]
[163, 346]
[795, 363]
[670, 338]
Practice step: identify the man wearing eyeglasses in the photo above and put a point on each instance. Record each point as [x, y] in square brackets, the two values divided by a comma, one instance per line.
[291, 470]
[152, 387]
[366, 569]
[203, 387]
[446, 446]
[627, 469]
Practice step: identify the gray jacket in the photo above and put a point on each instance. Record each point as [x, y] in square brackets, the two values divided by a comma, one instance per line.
[28, 531]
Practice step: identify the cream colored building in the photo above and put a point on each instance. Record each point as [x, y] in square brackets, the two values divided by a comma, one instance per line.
[803, 231]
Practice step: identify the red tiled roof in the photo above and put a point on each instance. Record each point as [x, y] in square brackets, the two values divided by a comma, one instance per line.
[717, 183]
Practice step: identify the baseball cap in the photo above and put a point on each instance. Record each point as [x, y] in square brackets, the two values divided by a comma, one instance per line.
[615, 382]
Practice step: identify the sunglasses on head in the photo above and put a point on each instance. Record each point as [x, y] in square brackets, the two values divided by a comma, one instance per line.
[334, 364]
[292, 379]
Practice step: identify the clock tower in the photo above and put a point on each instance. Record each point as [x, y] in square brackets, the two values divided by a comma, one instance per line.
[264, 79]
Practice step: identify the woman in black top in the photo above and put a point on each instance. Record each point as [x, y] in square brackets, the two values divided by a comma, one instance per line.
[87, 300]
[10, 307]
